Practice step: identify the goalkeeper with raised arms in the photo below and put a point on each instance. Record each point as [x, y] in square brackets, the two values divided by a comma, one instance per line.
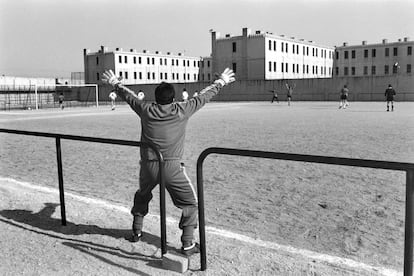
[164, 124]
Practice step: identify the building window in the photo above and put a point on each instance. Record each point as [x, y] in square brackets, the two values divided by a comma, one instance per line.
[283, 46]
[303, 68]
[365, 70]
[208, 63]
[293, 48]
[286, 67]
[307, 69]
[353, 71]
[126, 59]
[374, 52]
[140, 75]
[120, 74]
[195, 64]
[153, 76]
[274, 66]
[148, 75]
[346, 55]
[208, 76]
[172, 62]
[353, 54]
[293, 68]
[337, 55]
[165, 75]
[184, 63]
[395, 51]
[337, 71]
[135, 60]
[153, 62]
[177, 76]
[274, 45]
[97, 60]
[234, 66]
[173, 76]
[316, 67]
[135, 75]
[297, 49]
[160, 61]
[282, 67]
[160, 76]
[365, 53]
[270, 66]
[409, 50]
[270, 45]
[387, 52]
[97, 76]
[386, 69]
[139, 60]
[316, 51]
[408, 68]
[126, 75]
[148, 61]
[313, 52]
[286, 47]
[120, 59]
[307, 51]
[373, 70]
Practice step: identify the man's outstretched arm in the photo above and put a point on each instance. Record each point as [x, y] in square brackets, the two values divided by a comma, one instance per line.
[124, 92]
[209, 92]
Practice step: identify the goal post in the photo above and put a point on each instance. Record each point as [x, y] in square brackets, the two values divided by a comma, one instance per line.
[55, 87]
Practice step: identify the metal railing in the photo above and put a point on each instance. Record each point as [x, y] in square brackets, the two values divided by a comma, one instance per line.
[407, 167]
[59, 137]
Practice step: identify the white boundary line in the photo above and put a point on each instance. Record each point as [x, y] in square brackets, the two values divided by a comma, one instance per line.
[339, 261]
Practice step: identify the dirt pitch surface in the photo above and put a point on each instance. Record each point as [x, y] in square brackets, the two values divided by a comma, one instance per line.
[264, 217]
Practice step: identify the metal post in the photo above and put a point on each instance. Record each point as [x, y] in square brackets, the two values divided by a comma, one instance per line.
[36, 100]
[201, 218]
[162, 207]
[60, 174]
[97, 95]
[409, 220]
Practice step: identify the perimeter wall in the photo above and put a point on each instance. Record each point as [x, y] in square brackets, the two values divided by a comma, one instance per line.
[360, 88]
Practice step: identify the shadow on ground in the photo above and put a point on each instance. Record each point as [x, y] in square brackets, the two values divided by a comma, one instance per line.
[43, 221]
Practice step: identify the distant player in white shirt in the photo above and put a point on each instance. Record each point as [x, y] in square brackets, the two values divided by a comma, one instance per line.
[112, 96]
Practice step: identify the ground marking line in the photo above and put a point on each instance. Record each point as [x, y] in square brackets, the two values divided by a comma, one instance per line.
[220, 232]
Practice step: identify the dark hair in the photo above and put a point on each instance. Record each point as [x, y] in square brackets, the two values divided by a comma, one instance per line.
[164, 93]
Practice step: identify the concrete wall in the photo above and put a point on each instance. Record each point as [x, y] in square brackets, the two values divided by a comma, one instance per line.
[361, 89]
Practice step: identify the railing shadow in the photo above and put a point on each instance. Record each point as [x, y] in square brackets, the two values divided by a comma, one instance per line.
[43, 223]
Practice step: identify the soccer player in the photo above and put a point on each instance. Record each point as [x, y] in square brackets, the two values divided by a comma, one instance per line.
[290, 92]
[390, 93]
[112, 96]
[184, 95]
[61, 99]
[344, 97]
[274, 96]
[163, 124]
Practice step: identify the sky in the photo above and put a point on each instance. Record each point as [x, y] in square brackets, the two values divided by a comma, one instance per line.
[46, 38]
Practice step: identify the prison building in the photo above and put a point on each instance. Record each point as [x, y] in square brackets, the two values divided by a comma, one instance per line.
[265, 56]
[381, 59]
[140, 67]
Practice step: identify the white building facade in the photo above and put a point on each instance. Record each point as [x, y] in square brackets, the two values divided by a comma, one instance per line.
[265, 56]
[141, 67]
[381, 59]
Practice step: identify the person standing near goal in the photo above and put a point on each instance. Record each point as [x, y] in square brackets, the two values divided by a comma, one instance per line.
[163, 124]
[344, 97]
[389, 94]
[113, 97]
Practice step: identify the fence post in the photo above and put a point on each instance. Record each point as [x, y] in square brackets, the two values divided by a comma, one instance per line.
[60, 175]
[201, 219]
[163, 220]
[409, 220]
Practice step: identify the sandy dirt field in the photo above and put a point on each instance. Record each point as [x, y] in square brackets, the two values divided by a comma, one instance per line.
[347, 212]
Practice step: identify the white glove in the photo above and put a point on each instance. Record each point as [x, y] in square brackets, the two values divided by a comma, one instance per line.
[185, 95]
[226, 77]
[141, 96]
[110, 78]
